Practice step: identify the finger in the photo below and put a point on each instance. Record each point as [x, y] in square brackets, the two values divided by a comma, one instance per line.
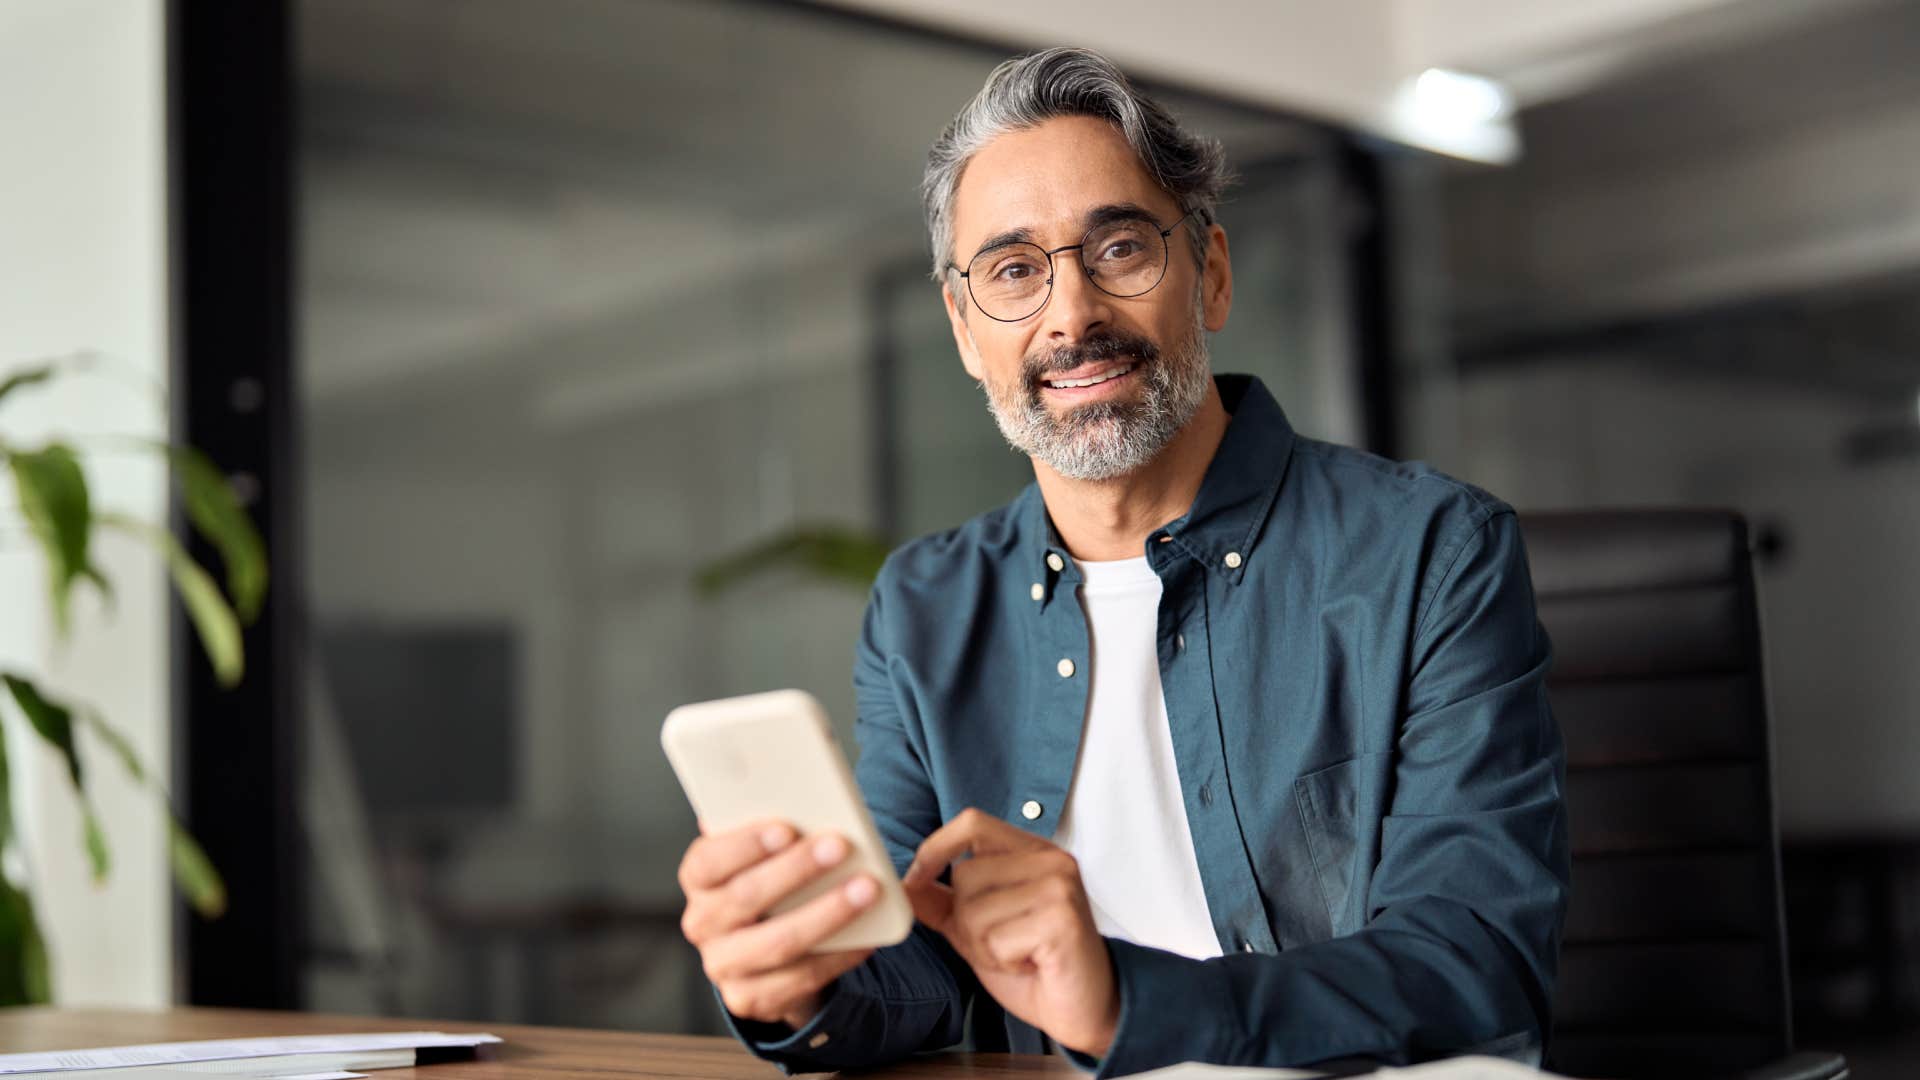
[978, 916]
[750, 894]
[971, 832]
[1030, 939]
[772, 996]
[985, 873]
[789, 936]
[932, 903]
[933, 906]
[711, 860]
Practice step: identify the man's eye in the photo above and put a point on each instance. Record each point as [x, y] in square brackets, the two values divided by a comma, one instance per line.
[1016, 271]
[1121, 249]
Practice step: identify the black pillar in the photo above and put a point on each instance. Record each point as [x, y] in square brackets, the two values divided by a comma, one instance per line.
[230, 112]
[1369, 263]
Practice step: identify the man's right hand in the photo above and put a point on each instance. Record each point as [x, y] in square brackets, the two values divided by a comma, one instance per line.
[762, 964]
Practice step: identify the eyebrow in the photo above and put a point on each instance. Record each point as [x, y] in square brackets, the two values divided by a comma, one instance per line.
[1106, 214]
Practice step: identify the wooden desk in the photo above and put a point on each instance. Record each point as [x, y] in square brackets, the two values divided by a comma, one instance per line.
[529, 1053]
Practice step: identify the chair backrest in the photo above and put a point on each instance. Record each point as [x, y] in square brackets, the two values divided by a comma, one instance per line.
[1674, 960]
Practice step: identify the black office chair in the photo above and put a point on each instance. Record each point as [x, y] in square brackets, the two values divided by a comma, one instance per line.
[1674, 962]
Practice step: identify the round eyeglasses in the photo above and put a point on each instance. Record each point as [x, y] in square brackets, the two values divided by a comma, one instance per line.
[1124, 257]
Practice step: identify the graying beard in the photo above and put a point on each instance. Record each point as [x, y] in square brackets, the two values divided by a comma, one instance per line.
[1105, 440]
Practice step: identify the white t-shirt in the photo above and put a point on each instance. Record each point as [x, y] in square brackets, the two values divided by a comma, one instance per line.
[1125, 821]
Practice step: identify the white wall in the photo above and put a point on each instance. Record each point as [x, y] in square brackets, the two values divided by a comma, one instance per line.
[82, 266]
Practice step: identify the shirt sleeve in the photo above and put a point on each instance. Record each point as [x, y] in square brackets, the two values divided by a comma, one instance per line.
[908, 997]
[1467, 900]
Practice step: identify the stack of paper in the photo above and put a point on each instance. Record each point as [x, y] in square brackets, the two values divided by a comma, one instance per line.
[300, 1057]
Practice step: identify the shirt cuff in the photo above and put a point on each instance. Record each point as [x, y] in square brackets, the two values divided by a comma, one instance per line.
[1173, 988]
[809, 1048]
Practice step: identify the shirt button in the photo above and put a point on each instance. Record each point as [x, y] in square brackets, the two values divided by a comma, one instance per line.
[1180, 642]
[1232, 560]
[1206, 794]
[1065, 668]
[818, 1041]
[1165, 539]
[1038, 591]
[1031, 810]
[1054, 560]
[1246, 946]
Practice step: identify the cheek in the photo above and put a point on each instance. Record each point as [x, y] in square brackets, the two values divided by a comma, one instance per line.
[1003, 354]
[1174, 325]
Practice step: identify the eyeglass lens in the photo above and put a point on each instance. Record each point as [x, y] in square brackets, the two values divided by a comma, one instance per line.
[1124, 258]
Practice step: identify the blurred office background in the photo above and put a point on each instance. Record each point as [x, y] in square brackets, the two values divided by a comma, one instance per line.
[510, 319]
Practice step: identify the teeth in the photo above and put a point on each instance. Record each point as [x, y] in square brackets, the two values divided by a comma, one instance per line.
[1095, 381]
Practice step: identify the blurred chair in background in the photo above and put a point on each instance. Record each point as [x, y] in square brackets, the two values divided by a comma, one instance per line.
[1674, 962]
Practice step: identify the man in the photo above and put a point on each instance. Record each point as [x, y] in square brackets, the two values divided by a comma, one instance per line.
[1218, 743]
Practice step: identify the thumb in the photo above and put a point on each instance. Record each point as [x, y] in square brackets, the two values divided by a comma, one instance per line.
[932, 903]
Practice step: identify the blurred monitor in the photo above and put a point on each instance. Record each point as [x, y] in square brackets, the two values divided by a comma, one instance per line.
[427, 712]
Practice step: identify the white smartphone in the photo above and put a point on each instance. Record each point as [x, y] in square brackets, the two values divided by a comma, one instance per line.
[773, 755]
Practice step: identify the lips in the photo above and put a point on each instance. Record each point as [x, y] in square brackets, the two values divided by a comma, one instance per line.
[1090, 375]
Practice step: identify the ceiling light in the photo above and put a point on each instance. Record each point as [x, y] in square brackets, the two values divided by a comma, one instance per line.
[1456, 113]
[1451, 98]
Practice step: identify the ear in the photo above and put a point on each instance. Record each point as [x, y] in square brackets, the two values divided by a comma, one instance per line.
[963, 337]
[1216, 290]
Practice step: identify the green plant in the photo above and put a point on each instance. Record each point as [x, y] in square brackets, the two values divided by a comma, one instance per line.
[827, 552]
[57, 510]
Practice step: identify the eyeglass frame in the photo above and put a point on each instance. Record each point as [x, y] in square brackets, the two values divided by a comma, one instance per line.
[1165, 252]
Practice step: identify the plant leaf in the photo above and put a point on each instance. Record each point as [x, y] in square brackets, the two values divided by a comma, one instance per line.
[217, 515]
[53, 498]
[24, 976]
[25, 377]
[96, 840]
[214, 621]
[121, 746]
[99, 580]
[6, 795]
[194, 872]
[831, 552]
[54, 722]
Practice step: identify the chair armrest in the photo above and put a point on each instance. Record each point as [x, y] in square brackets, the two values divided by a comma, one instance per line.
[1802, 1065]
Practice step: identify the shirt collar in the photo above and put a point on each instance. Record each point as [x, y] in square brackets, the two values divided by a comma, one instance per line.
[1234, 500]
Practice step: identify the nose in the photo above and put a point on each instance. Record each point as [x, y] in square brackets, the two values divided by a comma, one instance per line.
[1077, 307]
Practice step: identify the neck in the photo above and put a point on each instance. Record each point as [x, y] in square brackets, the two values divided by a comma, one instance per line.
[1103, 520]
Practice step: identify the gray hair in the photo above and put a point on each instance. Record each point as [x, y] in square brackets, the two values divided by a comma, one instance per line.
[1026, 91]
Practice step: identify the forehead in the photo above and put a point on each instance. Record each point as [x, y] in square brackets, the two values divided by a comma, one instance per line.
[1045, 178]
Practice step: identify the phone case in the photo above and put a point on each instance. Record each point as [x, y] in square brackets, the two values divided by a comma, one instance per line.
[773, 755]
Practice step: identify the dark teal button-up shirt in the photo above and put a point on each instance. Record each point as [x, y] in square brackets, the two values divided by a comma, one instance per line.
[1354, 676]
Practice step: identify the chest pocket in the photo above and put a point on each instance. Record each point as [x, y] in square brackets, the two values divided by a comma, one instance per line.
[1334, 806]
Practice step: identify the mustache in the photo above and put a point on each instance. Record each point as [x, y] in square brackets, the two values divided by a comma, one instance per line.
[1103, 346]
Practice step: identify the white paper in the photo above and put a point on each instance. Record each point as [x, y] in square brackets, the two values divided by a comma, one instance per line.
[1474, 1067]
[1194, 1070]
[201, 1072]
[263, 1068]
[121, 1057]
[1460, 1068]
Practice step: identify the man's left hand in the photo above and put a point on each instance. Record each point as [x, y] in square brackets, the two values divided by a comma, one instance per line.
[1018, 914]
